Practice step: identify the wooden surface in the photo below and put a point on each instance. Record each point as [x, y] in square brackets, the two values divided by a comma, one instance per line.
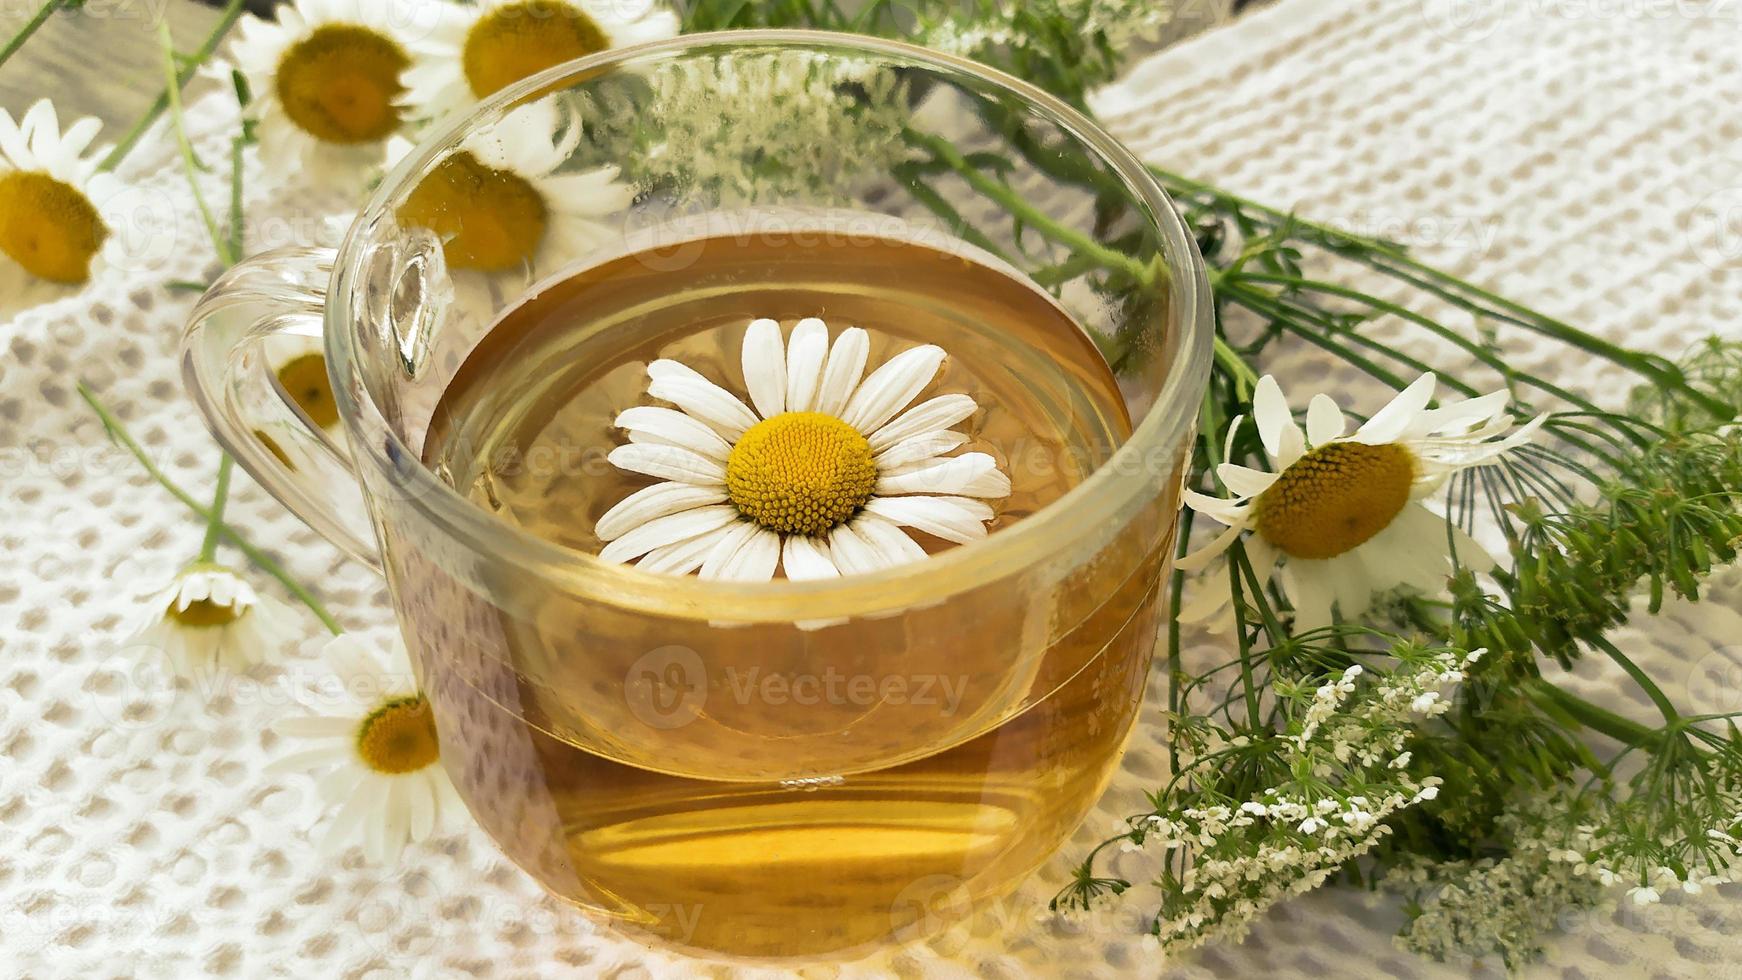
[101, 61]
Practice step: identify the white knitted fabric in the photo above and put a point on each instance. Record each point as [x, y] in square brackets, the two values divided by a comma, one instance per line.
[1575, 155]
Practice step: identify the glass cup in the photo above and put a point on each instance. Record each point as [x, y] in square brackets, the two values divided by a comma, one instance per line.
[938, 729]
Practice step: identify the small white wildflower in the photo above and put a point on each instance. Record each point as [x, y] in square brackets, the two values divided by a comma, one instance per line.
[1643, 895]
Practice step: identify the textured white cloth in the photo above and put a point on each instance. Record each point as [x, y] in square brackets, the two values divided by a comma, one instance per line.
[1574, 155]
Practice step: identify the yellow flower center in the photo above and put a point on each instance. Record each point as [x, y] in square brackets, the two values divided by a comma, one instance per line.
[338, 84]
[488, 219]
[521, 39]
[800, 473]
[304, 379]
[399, 737]
[204, 612]
[49, 227]
[1335, 498]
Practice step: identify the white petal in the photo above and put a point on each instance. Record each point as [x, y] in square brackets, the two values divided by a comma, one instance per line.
[1203, 556]
[1467, 411]
[1233, 430]
[1245, 481]
[1270, 411]
[765, 367]
[1291, 447]
[668, 530]
[398, 826]
[1324, 420]
[804, 363]
[947, 476]
[652, 503]
[665, 427]
[1263, 555]
[1208, 597]
[305, 761]
[421, 804]
[315, 726]
[928, 416]
[892, 386]
[1224, 510]
[343, 829]
[846, 366]
[1309, 593]
[957, 519]
[1470, 552]
[1396, 417]
[727, 546]
[919, 449]
[891, 544]
[1347, 575]
[851, 554]
[805, 558]
[679, 384]
[756, 560]
[668, 463]
[684, 557]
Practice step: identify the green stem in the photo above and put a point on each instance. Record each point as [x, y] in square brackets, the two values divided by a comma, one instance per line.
[220, 241]
[1238, 567]
[232, 12]
[1236, 366]
[1001, 192]
[1597, 719]
[1391, 260]
[1640, 677]
[215, 519]
[1481, 354]
[43, 13]
[261, 559]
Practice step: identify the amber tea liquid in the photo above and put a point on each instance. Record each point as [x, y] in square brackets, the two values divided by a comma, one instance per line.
[764, 789]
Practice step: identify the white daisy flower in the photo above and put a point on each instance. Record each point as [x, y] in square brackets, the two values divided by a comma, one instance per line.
[325, 77]
[56, 208]
[496, 43]
[1341, 513]
[211, 618]
[819, 478]
[499, 203]
[376, 757]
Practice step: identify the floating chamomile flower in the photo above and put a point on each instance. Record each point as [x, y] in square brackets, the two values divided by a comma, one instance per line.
[326, 82]
[499, 42]
[1341, 513]
[52, 228]
[819, 478]
[304, 379]
[377, 758]
[499, 202]
[211, 618]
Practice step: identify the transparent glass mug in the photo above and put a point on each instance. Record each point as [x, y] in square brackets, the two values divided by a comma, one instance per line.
[963, 713]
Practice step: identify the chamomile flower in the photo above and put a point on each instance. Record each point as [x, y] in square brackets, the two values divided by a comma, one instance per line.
[819, 478]
[376, 757]
[211, 618]
[499, 42]
[1341, 514]
[499, 202]
[53, 230]
[326, 82]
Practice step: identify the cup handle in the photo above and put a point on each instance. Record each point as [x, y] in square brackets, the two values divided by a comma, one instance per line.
[225, 367]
